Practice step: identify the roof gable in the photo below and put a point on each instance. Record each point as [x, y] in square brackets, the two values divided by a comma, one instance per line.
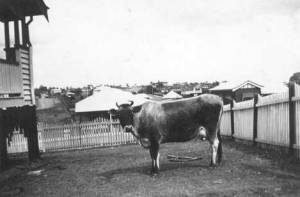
[172, 95]
[248, 83]
[235, 86]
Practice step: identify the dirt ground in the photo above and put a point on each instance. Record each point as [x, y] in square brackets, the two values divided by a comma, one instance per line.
[125, 171]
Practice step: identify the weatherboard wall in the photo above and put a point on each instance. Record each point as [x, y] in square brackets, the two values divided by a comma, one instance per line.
[16, 80]
[10, 78]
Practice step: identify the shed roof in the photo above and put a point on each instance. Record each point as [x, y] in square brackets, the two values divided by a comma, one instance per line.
[18, 9]
[274, 88]
[172, 95]
[234, 85]
[105, 98]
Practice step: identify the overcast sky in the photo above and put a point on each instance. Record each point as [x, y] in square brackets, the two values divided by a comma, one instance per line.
[138, 41]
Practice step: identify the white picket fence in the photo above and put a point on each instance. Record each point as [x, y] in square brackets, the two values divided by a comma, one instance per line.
[272, 119]
[99, 133]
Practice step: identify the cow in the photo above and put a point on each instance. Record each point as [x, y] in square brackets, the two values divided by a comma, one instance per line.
[157, 122]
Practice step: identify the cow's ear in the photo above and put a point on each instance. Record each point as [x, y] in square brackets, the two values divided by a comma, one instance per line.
[136, 109]
[113, 112]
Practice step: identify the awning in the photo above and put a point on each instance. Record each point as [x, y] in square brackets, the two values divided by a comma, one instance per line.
[17, 9]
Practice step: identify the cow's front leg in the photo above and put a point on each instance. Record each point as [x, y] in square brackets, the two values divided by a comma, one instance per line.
[154, 152]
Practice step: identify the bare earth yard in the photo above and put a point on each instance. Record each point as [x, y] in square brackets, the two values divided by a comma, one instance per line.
[124, 171]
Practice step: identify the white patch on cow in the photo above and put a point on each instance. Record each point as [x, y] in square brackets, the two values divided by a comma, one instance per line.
[202, 133]
[157, 160]
[214, 147]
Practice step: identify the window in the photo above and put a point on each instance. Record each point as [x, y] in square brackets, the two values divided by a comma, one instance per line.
[247, 96]
[10, 95]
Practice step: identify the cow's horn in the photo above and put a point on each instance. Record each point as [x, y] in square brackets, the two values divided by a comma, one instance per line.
[117, 105]
[131, 103]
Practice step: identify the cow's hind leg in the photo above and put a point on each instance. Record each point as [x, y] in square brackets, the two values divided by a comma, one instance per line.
[154, 152]
[215, 145]
[220, 149]
[214, 151]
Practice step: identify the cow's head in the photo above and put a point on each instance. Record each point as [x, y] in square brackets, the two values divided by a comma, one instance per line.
[124, 113]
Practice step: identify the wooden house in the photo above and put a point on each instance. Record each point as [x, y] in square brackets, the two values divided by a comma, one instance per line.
[16, 75]
[237, 91]
[16, 71]
[197, 90]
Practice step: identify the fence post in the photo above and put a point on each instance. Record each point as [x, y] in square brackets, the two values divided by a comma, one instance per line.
[292, 117]
[3, 144]
[32, 134]
[255, 118]
[232, 118]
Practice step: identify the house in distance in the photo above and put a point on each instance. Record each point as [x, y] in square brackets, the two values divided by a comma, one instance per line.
[237, 91]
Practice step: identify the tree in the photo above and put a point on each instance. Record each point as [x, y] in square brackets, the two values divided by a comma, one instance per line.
[40, 90]
[295, 78]
[149, 89]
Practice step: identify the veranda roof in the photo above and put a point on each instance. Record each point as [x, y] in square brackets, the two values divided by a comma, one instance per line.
[18, 9]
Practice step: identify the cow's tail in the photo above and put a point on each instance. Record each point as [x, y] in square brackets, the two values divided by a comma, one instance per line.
[220, 148]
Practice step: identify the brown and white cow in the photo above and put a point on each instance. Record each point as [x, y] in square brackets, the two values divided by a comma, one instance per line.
[181, 120]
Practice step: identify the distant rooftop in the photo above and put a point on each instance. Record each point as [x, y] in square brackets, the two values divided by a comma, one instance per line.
[235, 85]
[105, 98]
[269, 88]
[172, 95]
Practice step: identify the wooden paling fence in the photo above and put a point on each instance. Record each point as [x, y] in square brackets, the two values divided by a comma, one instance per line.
[226, 121]
[99, 133]
[273, 119]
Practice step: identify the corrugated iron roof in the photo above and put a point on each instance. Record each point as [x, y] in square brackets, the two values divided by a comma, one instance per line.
[17, 9]
[172, 95]
[105, 98]
[234, 85]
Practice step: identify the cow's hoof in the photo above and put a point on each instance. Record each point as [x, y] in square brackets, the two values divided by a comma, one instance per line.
[154, 173]
[213, 165]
